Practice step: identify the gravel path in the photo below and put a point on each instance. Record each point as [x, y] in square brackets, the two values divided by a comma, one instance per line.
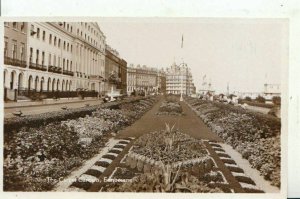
[189, 124]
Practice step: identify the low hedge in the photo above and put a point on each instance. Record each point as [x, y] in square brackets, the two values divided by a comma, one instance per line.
[16, 123]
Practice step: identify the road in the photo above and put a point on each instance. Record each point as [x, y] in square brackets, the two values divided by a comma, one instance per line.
[31, 110]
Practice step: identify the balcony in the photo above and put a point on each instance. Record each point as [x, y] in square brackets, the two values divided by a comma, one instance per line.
[15, 62]
[66, 72]
[37, 66]
[54, 69]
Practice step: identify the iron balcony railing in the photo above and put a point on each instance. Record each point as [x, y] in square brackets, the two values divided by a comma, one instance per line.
[37, 66]
[14, 62]
[66, 72]
[54, 69]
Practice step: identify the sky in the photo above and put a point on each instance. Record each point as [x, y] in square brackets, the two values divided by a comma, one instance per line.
[244, 53]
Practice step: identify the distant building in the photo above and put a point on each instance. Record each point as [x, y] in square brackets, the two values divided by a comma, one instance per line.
[271, 90]
[206, 89]
[179, 80]
[243, 95]
[144, 79]
[115, 71]
[131, 79]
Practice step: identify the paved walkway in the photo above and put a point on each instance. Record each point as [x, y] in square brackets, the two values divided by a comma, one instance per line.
[189, 124]
[31, 110]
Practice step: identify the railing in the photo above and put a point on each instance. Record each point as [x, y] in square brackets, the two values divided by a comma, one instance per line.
[14, 62]
[66, 72]
[88, 93]
[54, 69]
[40, 95]
[37, 66]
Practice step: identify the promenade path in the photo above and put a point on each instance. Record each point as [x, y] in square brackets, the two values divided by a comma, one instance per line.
[37, 109]
[189, 124]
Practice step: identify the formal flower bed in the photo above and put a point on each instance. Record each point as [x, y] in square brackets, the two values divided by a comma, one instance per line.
[36, 158]
[167, 161]
[164, 161]
[170, 106]
[255, 136]
[169, 147]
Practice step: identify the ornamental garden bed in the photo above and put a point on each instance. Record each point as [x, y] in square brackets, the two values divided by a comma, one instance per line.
[167, 161]
[170, 106]
[256, 136]
[36, 158]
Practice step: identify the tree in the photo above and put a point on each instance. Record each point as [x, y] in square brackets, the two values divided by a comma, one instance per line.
[260, 99]
[248, 99]
[276, 100]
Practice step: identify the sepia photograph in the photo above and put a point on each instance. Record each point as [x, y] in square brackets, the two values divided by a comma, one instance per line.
[162, 105]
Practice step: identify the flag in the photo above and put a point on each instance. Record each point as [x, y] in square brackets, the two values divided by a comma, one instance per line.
[182, 41]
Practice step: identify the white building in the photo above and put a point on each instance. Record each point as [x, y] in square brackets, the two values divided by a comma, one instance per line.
[131, 79]
[179, 79]
[271, 90]
[59, 57]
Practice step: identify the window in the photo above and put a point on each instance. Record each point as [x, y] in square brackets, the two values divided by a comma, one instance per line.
[37, 56]
[15, 25]
[68, 47]
[71, 29]
[22, 52]
[71, 47]
[64, 45]
[14, 50]
[43, 58]
[6, 48]
[32, 30]
[58, 64]
[54, 60]
[23, 27]
[38, 33]
[67, 64]
[49, 60]
[54, 41]
[70, 65]
[59, 43]
[64, 63]
[30, 55]
[44, 35]
[6, 24]
[50, 39]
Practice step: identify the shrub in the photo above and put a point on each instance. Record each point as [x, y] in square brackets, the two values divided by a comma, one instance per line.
[248, 99]
[276, 100]
[260, 99]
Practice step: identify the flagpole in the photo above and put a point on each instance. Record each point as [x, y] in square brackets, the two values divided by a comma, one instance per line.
[181, 98]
